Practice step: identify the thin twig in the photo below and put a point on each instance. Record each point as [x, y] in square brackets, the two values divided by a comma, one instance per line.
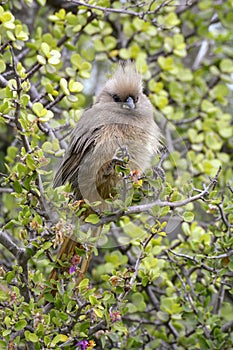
[148, 206]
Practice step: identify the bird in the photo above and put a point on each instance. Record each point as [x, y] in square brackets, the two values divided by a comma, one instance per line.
[121, 120]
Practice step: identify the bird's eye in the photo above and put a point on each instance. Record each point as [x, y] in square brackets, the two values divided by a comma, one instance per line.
[146, 91]
[116, 98]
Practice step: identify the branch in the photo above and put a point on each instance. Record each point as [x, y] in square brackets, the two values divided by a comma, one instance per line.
[6, 190]
[227, 327]
[200, 195]
[146, 207]
[223, 216]
[18, 90]
[7, 242]
[193, 259]
[136, 267]
[3, 82]
[22, 255]
[187, 293]
[141, 14]
[221, 256]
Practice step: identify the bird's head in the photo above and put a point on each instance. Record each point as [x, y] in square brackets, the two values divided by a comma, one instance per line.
[124, 87]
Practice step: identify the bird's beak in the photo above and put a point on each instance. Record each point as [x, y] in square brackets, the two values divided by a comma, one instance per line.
[130, 102]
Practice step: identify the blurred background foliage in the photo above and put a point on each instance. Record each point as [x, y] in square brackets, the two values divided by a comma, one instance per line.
[160, 278]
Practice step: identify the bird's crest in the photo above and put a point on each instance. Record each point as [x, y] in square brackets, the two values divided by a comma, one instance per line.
[126, 80]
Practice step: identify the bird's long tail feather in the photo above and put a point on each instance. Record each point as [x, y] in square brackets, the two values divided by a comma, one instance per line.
[67, 253]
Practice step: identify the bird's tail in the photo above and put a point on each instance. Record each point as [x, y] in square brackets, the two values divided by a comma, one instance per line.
[78, 257]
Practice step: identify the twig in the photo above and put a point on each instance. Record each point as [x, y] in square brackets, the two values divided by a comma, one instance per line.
[221, 256]
[17, 102]
[22, 255]
[7, 242]
[6, 190]
[223, 216]
[141, 14]
[136, 268]
[187, 295]
[227, 327]
[200, 195]
[220, 299]
[4, 46]
[55, 101]
[193, 259]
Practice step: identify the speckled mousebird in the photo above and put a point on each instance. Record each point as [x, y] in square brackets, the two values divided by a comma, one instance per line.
[121, 117]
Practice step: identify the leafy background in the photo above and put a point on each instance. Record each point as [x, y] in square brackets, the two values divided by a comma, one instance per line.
[169, 286]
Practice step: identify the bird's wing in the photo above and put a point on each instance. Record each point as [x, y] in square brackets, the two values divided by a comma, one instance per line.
[79, 147]
[81, 141]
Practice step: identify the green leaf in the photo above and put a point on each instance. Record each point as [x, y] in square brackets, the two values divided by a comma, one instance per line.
[76, 60]
[165, 63]
[64, 86]
[163, 316]
[208, 106]
[3, 345]
[46, 245]
[98, 312]
[188, 216]
[30, 162]
[10, 36]
[226, 65]
[219, 91]
[83, 285]
[7, 321]
[72, 98]
[137, 298]
[110, 42]
[17, 187]
[6, 332]
[93, 300]
[45, 49]
[93, 218]
[58, 339]
[213, 141]
[99, 46]
[184, 75]
[203, 342]
[47, 116]
[2, 66]
[20, 325]
[124, 54]
[31, 336]
[3, 295]
[12, 152]
[20, 33]
[170, 305]
[9, 276]
[75, 86]
[164, 211]
[41, 60]
[42, 2]
[49, 297]
[37, 108]
[47, 147]
[54, 58]
[171, 20]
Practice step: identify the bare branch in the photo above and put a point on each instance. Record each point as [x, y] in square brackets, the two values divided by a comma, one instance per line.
[200, 195]
[7, 242]
[227, 327]
[124, 11]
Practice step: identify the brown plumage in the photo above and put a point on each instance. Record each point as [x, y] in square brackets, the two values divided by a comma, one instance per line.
[121, 117]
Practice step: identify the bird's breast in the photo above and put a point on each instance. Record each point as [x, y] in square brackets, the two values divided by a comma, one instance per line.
[139, 142]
